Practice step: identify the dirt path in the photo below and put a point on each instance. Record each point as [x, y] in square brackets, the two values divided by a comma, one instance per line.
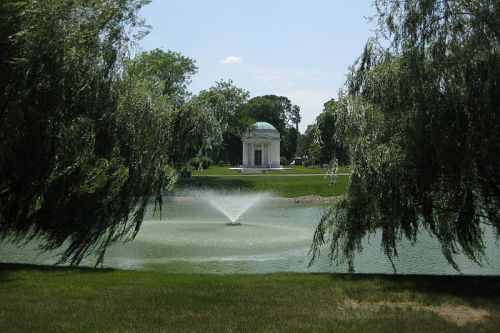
[460, 315]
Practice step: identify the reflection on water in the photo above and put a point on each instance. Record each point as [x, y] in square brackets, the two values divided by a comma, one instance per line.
[192, 237]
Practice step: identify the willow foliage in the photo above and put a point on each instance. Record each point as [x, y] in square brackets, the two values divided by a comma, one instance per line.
[421, 116]
[83, 138]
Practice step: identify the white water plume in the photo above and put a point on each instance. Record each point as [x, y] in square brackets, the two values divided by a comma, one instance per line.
[232, 204]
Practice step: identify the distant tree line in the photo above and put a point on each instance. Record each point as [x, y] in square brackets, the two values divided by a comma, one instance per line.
[236, 114]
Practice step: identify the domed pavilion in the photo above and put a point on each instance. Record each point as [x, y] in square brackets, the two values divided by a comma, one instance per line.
[261, 147]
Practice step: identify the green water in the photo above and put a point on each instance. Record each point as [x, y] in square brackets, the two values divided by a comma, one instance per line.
[191, 237]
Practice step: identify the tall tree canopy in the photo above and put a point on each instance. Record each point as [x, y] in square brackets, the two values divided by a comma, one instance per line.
[330, 145]
[269, 108]
[279, 112]
[289, 143]
[84, 137]
[194, 129]
[225, 98]
[422, 121]
[309, 144]
[172, 68]
[294, 117]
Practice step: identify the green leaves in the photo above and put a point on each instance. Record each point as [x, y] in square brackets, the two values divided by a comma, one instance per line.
[85, 133]
[421, 119]
[173, 70]
[279, 112]
[332, 145]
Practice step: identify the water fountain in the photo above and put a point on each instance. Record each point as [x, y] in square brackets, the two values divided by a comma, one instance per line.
[232, 204]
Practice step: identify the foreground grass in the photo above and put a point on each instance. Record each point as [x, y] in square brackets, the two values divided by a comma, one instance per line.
[215, 170]
[285, 186]
[39, 299]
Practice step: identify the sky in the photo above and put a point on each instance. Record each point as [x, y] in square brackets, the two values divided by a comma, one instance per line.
[294, 48]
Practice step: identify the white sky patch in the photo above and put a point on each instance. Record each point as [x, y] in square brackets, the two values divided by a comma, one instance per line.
[232, 60]
[288, 81]
[285, 77]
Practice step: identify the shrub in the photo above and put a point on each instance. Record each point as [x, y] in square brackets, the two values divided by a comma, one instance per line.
[204, 162]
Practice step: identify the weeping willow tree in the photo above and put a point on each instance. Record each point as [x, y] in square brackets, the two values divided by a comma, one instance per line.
[83, 138]
[421, 116]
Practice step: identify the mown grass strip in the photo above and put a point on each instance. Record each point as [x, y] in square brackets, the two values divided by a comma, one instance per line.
[285, 186]
[41, 299]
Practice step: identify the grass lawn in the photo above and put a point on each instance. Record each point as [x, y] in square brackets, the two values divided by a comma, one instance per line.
[285, 186]
[41, 299]
[215, 170]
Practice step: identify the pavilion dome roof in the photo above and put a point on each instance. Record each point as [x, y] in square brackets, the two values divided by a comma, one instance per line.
[263, 126]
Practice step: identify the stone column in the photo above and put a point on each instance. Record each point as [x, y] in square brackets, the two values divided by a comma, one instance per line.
[269, 161]
[278, 152]
[245, 154]
[252, 155]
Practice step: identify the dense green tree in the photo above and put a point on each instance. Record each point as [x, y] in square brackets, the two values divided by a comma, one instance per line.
[295, 117]
[277, 111]
[225, 98]
[85, 138]
[422, 121]
[289, 141]
[309, 145]
[290, 113]
[195, 132]
[172, 68]
[331, 146]
[64, 175]
[194, 129]
[267, 108]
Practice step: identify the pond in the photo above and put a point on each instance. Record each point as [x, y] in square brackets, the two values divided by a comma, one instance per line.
[192, 237]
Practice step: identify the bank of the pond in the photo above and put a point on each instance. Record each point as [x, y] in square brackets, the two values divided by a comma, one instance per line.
[307, 199]
[315, 200]
[288, 186]
[47, 299]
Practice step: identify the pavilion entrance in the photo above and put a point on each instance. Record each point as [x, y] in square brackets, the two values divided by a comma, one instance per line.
[258, 157]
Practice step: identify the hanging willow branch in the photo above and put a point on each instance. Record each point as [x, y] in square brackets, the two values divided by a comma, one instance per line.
[422, 123]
